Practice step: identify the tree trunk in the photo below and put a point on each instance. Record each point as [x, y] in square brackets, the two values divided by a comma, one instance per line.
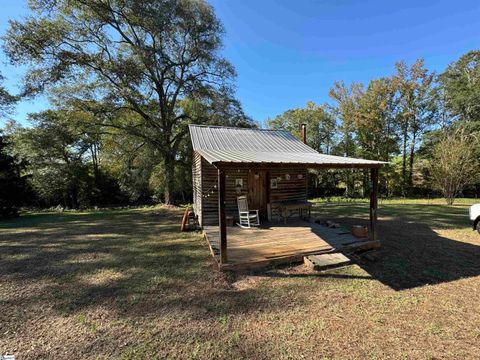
[366, 183]
[411, 160]
[404, 162]
[74, 197]
[450, 200]
[347, 184]
[169, 178]
[94, 155]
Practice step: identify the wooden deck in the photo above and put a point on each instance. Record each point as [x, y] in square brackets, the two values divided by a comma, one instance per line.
[276, 243]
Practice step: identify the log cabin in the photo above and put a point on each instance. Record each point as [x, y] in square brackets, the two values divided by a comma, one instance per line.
[269, 167]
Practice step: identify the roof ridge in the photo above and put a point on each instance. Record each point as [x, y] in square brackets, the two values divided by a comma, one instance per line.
[235, 127]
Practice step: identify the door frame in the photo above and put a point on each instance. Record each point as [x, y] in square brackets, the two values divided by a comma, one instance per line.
[252, 182]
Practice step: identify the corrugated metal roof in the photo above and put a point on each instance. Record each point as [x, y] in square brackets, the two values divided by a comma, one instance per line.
[240, 139]
[238, 145]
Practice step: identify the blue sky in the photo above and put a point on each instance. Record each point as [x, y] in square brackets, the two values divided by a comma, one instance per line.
[288, 52]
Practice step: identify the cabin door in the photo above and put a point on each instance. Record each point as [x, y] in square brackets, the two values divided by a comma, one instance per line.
[257, 192]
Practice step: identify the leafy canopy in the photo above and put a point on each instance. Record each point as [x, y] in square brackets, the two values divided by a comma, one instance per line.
[147, 57]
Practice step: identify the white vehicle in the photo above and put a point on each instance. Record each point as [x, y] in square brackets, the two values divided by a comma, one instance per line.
[475, 216]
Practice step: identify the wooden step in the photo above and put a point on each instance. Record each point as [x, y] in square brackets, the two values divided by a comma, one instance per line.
[326, 261]
[359, 245]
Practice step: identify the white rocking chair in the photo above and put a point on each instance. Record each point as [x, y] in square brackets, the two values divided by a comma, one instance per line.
[248, 218]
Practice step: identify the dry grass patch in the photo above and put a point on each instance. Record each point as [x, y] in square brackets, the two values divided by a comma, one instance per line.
[128, 285]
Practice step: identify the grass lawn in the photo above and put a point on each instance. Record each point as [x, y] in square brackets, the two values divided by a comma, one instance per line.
[127, 284]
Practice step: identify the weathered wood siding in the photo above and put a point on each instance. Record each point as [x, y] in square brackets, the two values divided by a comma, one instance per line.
[231, 206]
[197, 185]
[291, 189]
[294, 189]
[210, 192]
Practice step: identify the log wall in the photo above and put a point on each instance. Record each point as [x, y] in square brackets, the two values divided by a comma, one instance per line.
[197, 185]
[210, 192]
[293, 189]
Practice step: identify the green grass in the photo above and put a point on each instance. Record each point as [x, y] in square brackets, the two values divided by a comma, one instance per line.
[127, 284]
[431, 212]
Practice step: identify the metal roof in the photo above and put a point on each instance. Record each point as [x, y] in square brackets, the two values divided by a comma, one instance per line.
[238, 145]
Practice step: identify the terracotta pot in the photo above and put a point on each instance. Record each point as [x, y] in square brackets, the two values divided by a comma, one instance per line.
[359, 231]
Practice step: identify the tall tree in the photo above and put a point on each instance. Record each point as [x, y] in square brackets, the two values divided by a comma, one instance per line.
[346, 108]
[376, 127]
[375, 120]
[144, 56]
[417, 109]
[12, 183]
[461, 83]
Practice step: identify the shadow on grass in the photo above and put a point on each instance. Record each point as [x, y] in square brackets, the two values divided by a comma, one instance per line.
[134, 262]
[412, 253]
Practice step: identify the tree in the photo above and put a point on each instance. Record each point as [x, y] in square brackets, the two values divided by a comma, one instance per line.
[461, 83]
[417, 109]
[461, 86]
[6, 99]
[57, 151]
[320, 125]
[454, 163]
[142, 56]
[375, 120]
[346, 98]
[376, 127]
[131, 161]
[12, 184]
[346, 107]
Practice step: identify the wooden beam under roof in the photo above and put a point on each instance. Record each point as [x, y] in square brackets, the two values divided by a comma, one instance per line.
[221, 217]
[266, 166]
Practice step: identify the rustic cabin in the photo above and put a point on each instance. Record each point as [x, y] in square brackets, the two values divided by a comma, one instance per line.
[250, 196]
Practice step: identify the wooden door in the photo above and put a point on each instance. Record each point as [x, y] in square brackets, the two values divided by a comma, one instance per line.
[257, 192]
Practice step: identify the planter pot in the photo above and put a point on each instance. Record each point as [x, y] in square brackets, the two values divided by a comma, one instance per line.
[359, 231]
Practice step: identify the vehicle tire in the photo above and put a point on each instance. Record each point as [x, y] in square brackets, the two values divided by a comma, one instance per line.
[478, 227]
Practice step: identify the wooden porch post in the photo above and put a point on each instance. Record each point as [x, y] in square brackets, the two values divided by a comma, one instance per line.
[222, 225]
[373, 203]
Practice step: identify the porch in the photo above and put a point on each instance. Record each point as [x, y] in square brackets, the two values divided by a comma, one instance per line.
[277, 243]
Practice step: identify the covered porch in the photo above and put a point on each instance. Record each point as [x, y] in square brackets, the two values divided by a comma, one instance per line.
[275, 243]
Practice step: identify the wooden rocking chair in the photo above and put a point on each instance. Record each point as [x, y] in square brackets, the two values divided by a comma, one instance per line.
[248, 218]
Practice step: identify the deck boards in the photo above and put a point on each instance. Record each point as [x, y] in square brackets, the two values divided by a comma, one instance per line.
[277, 243]
[326, 261]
